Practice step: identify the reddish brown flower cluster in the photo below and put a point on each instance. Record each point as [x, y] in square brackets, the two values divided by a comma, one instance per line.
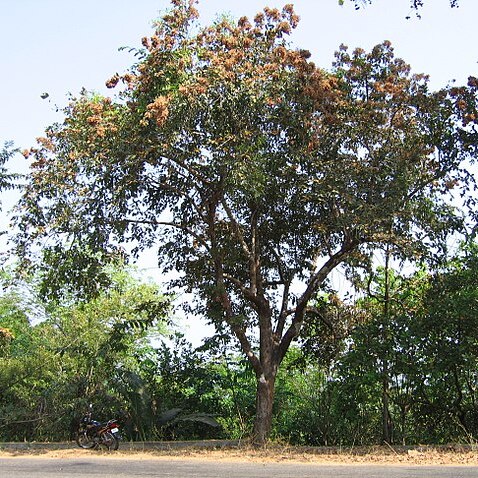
[259, 18]
[472, 82]
[157, 111]
[230, 51]
[244, 23]
[284, 27]
[46, 143]
[88, 120]
[6, 334]
[113, 81]
[465, 101]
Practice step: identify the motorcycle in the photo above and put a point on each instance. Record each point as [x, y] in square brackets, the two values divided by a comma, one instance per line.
[93, 434]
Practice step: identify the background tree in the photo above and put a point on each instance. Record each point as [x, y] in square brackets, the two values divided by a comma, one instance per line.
[95, 351]
[251, 170]
[82, 352]
[208, 391]
[379, 364]
[448, 344]
[429, 348]
[7, 179]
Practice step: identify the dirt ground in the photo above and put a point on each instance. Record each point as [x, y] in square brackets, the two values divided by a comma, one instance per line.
[444, 455]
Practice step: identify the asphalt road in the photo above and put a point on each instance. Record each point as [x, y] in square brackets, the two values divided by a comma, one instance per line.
[27, 467]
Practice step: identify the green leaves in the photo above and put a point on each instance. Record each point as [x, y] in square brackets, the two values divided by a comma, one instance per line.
[8, 180]
[84, 351]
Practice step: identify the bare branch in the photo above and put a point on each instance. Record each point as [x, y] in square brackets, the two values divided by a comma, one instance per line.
[198, 176]
[246, 291]
[247, 348]
[184, 194]
[284, 313]
[314, 283]
[170, 224]
[236, 228]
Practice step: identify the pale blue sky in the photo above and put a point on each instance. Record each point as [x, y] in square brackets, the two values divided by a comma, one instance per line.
[60, 46]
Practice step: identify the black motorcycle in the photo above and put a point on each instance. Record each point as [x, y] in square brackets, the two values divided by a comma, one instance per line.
[94, 434]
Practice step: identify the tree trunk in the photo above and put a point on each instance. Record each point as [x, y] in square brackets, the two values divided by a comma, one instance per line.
[264, 406]
[386, 417]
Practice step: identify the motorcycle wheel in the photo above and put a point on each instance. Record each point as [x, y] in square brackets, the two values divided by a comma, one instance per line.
[109, 441]
[84, 441]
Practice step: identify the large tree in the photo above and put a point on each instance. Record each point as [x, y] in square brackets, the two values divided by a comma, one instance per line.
[253, 172]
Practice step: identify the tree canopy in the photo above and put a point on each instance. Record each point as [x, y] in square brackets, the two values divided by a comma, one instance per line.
[251, 170]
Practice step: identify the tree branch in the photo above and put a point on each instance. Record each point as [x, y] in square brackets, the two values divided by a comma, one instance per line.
[170, 224]
[286, 282]
[236, 228]
[314, 283]
[284, 313]
[246, 291]
[185, 195]
[193, 172]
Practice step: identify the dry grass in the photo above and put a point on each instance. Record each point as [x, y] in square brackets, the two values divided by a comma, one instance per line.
[447, 455]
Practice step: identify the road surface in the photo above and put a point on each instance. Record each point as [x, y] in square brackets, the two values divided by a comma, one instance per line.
[91, 467]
